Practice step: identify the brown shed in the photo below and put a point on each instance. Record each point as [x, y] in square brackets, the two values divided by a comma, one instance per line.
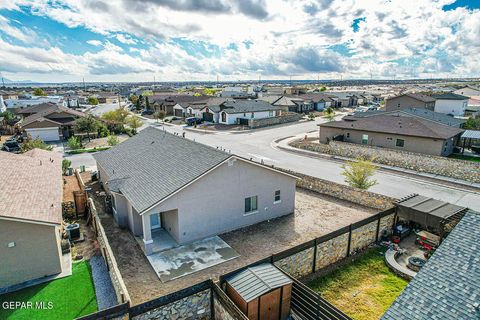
[262, 292]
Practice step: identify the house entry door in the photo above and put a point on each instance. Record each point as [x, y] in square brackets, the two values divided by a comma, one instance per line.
[155, 221]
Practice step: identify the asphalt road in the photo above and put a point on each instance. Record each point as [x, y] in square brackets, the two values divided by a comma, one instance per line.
[259, 146]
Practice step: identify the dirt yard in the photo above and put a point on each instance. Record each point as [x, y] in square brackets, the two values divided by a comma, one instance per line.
[315, 215]
[102, 142]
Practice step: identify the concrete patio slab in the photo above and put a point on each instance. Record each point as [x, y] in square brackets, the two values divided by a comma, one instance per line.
[190, 258]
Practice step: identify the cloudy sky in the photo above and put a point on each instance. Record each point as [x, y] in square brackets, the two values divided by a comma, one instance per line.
[133, 40]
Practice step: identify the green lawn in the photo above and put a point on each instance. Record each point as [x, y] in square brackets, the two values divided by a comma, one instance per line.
[71, 297]
[363, 289]
[463, 157]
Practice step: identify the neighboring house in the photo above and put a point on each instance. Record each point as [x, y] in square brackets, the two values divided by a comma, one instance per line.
[27, 101]
[448, 286]
[163, 185]
[293, 104]
[410, 100]
[395, 131]
[426, 114]
[49, 122]
[319, 101]
[451, 103]
[240, 111]
[468, 91]
[166, 103]
[31, 189]
[344, 99]
[473, 107]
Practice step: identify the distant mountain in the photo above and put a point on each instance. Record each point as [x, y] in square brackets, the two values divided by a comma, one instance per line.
[18, 81]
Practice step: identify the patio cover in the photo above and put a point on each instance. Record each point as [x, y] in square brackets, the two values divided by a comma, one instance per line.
[426, 211]
[471, 134]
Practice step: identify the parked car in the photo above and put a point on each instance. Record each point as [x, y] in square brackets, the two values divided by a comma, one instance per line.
[193, 120]
[11, 146]
[147, 112]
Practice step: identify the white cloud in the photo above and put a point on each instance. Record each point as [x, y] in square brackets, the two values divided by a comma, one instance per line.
[289, 37]
[96, 43]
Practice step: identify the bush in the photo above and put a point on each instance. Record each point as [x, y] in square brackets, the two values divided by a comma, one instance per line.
[74, 143]
[103, 131]
[65, 165]
[113, 140]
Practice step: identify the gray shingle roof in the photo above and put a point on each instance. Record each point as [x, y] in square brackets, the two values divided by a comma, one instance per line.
[241, 106]
[448, 286]
[449, 96]
[153, 164]
[255, 281]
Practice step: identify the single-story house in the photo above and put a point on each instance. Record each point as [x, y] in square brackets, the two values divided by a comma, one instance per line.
[30, 216]
[426, 114]
[166, 103]
[49, 122]
[239, 111]
[468, 91]
[293, 104]
[163, 185]
[186, 109]
[320, 101]
[410, 100]
[343, 99]
[395, 131]
[451, 103]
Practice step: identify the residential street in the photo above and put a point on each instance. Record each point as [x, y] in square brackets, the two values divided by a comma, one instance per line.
[259, 145]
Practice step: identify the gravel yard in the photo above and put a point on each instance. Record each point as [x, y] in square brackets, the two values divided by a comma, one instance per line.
[104, 290]
[315, 215]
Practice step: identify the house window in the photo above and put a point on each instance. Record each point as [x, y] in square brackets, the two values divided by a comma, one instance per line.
[364, 138]
[270, 113]
[252, 115]
[390, 139]
[398, 105]
[277, 198]
[348, 134]
[251, 205]
[400, 143]
[224, 117]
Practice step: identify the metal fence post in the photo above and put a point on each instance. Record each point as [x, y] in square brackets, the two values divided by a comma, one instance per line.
[349, 239]
[378, 228]
[314, 262]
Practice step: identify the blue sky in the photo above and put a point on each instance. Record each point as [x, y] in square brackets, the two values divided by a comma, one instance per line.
[128, 40]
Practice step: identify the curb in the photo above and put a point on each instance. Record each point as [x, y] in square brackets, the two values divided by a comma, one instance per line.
[438, 178]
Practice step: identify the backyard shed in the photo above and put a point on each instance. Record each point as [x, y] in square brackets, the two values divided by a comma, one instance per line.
[262, 292]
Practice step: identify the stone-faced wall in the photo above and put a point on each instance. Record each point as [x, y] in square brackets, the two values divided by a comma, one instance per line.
[299, 264]
[331, 251]
[258, 123]
[344, 192]
[194, 307]
[220, 312]
[363, 236]
[386, 223]
[458, 169]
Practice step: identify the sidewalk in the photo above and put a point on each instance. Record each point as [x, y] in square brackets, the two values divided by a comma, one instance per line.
[283, 144]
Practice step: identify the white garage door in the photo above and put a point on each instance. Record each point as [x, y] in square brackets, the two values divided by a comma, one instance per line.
[46, 134]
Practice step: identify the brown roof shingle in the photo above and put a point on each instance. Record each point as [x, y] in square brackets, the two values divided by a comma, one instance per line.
[397, 124]
[31, 186]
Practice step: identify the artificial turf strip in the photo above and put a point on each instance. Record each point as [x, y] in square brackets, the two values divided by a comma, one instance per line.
[71, 297]
[363, 289]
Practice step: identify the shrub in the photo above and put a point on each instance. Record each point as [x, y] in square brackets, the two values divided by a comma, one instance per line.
[74, 143]
[113, 140]
[65, 165]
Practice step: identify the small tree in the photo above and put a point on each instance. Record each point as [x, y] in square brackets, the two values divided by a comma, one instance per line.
[134, 122]
[311, 116]
[39, 92]
[65, 165]
[74, 143]
[92, 101]
[112, 140]
[330, 114]
[138, 104]
[147, 104]
[323, 89]
[358, 174]
[115, 119]
[102, 130]
[37, 143]
[87, 125]
[159, 115]
[133, 99]
[472, 124]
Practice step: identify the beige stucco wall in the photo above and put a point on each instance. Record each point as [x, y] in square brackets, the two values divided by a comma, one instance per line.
[37, 252]
[215, 203]
[412, 144]
[406, 102]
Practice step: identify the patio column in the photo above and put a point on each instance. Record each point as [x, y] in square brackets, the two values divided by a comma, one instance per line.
[147, 234]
